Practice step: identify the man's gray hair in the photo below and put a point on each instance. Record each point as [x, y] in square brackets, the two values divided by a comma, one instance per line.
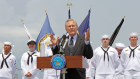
[71, 20]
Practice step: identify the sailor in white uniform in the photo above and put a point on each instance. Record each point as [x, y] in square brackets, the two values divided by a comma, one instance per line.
[104, 61]
[7, 62]
[50, 73]
[130, 58]
[118, 74]
[29, 61]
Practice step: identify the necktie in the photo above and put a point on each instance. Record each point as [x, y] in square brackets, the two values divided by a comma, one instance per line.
[4, 60]
[29, 58]
[132, 51]
[71, 41]
[106, 52]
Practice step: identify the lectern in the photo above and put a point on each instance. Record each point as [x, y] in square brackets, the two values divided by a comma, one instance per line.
[71, 62]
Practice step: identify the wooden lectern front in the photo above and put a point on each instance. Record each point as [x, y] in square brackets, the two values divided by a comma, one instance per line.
[71, 62]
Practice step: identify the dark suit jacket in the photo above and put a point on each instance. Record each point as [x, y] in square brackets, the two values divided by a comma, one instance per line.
[80, 49]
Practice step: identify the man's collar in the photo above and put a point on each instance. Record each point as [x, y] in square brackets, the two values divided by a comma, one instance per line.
[31, 52]
[105, 48]
[74, 37]
[134, 46]
[5, 54]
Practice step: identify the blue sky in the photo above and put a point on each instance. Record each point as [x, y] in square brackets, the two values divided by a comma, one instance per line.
[105, 16]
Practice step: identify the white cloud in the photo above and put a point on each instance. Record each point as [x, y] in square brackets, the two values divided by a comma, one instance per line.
[15, 31]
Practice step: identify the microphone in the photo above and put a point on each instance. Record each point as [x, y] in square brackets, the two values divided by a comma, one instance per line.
[62, 40]
[66, 40]
[62, 43]
[63, 46]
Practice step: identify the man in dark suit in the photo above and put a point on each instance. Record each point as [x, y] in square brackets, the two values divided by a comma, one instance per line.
[76, 46]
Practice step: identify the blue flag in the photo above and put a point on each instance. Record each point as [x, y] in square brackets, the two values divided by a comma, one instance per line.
[84, 25]
[44, 33]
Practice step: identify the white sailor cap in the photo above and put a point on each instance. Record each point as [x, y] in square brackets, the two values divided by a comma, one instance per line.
[120, 45]
[105, 36]
[31, 41]
[8, 43]
[133, 34]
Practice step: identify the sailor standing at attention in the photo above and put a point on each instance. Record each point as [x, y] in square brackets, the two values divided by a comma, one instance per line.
[29, 61]
[104, 61]
[130, 58]
[7, 62]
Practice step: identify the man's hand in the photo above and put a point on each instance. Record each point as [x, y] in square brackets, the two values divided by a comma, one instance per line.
[28, 74]
[87, 77]
[87, 35]
[53, 40]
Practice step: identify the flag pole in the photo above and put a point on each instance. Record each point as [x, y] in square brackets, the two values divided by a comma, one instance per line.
[22, 21]
[26, 30]
[69, 5]
[46, 12]
[123, 17]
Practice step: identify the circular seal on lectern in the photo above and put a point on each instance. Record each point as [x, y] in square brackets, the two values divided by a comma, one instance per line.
[58, 62]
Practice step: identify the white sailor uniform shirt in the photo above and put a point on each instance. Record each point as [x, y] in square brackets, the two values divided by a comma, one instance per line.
[101, 65]
[7, 71]
[130, 61]
[30, 66]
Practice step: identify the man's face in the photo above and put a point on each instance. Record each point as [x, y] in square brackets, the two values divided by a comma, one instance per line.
[71, 28]
[133, 39]
[31, 46]
[7, 48]
[105, 41]
[119, 51]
